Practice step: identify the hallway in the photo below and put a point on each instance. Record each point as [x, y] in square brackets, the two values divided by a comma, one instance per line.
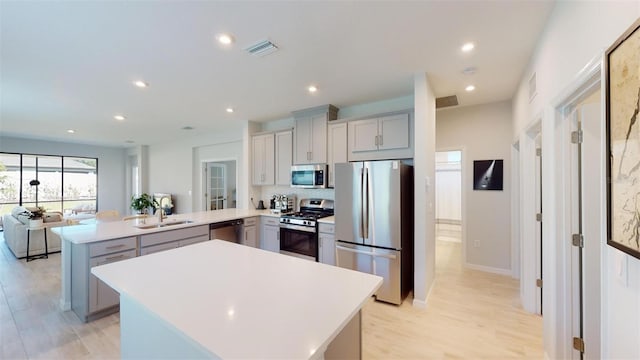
[470, 315]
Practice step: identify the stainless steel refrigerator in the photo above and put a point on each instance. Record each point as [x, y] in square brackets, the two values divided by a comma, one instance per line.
[374, 223]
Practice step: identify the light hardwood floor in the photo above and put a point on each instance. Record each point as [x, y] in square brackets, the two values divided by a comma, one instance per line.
[471, 315]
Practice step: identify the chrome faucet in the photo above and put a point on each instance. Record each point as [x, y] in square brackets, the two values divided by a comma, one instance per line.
[160, 211]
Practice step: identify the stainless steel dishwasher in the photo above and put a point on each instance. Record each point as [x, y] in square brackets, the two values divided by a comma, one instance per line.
[227, 230]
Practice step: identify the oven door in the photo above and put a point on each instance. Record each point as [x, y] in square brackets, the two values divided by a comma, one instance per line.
[299, 241]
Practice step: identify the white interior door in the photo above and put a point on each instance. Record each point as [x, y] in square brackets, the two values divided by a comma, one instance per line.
[538, 211]
[216, 186]
[587, 218]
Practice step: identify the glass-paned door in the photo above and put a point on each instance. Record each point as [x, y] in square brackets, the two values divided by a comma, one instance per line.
[216, 186]
[80, 183]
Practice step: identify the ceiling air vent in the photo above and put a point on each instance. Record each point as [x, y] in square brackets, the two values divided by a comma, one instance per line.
[446, 101]
[262, 48]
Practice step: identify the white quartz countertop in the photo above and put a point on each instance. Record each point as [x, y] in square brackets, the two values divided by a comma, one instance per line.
[99, 231]
[328, 220]
[240, 302]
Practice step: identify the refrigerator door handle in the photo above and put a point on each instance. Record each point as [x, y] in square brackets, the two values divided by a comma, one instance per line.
[388, 256]
[362, 231]
[366, 198]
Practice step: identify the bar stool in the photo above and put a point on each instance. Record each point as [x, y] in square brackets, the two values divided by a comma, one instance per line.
[46, 244]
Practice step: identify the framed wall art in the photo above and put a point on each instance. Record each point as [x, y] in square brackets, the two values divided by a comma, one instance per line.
[622, 74]
[487, 174]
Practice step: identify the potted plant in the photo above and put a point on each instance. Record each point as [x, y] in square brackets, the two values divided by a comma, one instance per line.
[142, 203]
[35, 216]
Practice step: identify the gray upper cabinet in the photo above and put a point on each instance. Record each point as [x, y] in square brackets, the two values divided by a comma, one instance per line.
[383, 137]
[310, 135]
[393, 132]
[263, 158]
[336, 149]
[284, 157]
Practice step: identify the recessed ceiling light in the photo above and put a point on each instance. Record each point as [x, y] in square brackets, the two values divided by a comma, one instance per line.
[229, 110]
[312, 89]
[470, 88]
[119, 117]
[225, 39]
[468, 47]
[71, 131]
[141, 84]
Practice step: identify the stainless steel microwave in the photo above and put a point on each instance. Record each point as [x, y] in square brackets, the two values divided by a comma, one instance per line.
[309, 176]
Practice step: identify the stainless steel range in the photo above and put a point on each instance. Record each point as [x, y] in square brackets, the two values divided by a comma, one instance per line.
[299, 230]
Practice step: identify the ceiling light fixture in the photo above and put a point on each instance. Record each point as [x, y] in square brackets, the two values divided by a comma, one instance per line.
[225, 39]
[141, 84]
[229, 110]
[312, 89]
[470, 88]
[468, 47]
[119, 117]
[71, 131]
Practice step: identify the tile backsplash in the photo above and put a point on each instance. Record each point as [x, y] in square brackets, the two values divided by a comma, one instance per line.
[267, 191]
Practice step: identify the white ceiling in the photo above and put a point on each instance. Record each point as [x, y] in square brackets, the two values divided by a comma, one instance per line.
[70, 65]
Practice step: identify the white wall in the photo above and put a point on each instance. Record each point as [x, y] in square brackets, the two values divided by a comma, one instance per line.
[171, 165]
[576, 33]
[111, 165]
[484, 131]
[424, 189]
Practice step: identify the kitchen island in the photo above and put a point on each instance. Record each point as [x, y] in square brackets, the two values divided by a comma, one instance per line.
[125, 238]
[223, 300]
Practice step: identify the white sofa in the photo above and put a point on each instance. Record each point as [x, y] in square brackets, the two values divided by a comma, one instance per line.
[15, 235]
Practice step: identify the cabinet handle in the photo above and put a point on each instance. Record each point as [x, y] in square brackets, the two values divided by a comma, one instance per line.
[114, 246]
[114, 257]
[380, 140]
[376, 140]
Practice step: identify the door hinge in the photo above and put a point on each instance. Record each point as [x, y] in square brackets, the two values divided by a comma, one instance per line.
[577, 240]
[578, 344]
[539, 283]
[539, 217]
[576, 137]
[539, 152]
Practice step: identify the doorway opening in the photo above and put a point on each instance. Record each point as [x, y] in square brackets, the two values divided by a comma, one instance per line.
[448, 196]
[220, 184]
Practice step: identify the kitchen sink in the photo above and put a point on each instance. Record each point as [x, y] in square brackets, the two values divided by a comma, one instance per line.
[163, 224]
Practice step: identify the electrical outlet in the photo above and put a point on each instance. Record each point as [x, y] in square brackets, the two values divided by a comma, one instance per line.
[476, 243]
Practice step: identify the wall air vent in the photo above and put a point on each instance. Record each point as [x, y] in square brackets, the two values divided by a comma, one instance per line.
[262, 48]
[446, 101]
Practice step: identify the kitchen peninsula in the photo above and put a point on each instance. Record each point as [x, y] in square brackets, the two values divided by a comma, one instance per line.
[102, 242]
[223, 300]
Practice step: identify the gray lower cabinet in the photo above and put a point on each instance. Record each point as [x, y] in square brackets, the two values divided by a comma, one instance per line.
[270, 234]
[91, 297]
[250, 233]
[327, 244]
[172, 239]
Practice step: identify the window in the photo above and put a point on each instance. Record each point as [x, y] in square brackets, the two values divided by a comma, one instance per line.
[57, 183]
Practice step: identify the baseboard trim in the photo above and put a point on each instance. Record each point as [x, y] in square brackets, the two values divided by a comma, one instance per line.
[489, 269]
[422, 304]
